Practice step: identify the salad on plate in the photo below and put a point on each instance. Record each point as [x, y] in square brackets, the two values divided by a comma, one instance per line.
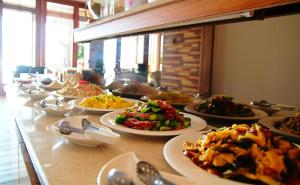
[155, 115]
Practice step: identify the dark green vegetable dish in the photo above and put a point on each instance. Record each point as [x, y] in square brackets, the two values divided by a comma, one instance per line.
[153, 115]
[223, 106]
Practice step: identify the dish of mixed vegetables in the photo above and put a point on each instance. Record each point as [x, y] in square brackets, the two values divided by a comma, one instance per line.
[246, 153]
[223, 106]
[154, 115]
[289, 125]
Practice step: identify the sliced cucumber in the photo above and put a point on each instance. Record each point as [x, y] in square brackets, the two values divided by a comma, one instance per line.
[164, 128]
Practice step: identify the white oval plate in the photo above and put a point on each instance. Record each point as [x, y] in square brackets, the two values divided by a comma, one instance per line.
[258, 114]
[67, 97]
[269, 123]
[53, 111]
[77, 105]
[50, 88]
[183, 165]
[37, 96]
[196, 125]
[76, 138]
[127, 163]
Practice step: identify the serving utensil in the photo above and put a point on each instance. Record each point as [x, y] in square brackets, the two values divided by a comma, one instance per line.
[103, 134]
[86, 124]
[44, 103]
[66, 128]
[116, 177]
[149, 175]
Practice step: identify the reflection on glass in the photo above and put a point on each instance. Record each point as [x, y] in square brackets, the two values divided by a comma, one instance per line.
[18, 49]
[26, 3]
[59, 36]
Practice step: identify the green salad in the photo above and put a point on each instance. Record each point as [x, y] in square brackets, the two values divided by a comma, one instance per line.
[153, 115]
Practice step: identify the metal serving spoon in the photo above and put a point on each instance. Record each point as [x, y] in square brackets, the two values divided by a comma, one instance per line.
[86, 124]
[44, 103]
[116, 177]
[66, 128]
[149, 175]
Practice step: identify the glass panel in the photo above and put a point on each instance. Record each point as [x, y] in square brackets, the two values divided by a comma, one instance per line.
[59, 39]
[135, 45]
[109, 58]
[18, 46]
[25, 3]
[83, 55]
[59, 8]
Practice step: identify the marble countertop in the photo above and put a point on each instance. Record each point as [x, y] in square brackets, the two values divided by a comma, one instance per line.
[58, 162]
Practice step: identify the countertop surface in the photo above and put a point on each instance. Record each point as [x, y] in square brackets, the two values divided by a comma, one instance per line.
[58, 162]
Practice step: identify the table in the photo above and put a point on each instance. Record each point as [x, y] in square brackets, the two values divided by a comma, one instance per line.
[58, 162]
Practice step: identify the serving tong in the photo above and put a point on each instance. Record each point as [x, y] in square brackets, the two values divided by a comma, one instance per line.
[66, 128]
[146, 172]
[44, 103]
[94, 132]
[266, 104]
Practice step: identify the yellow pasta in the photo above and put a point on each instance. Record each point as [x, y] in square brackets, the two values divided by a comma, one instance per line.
[105, 101]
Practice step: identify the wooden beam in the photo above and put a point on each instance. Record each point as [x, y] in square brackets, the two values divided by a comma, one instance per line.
[75, 25]
[205, 68]
[166, 14]
[41, 12]
[34, 180]
[68, 2]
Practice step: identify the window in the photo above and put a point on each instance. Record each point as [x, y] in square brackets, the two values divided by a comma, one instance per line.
[132, 52]
[19, 3]
[109, 59]
[18, 41]
[59, 36]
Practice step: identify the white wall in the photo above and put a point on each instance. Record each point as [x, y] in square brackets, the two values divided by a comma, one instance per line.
[258, 60]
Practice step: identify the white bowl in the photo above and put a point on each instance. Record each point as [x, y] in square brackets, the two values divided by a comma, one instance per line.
[52, 109]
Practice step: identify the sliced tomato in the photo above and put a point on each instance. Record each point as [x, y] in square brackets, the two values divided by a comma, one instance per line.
[141, 125]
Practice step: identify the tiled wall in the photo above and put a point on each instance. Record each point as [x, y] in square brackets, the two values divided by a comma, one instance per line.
[182, 57]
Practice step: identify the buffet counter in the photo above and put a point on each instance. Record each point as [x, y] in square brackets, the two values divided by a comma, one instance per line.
[56, 161]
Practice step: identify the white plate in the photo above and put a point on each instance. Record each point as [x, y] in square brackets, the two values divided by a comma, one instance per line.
[77, 105]
[76, 138]
[269, 123]
[258, 114]
[36, 95]
[183, 165]
[127, 163]
[196, 124]
[54, 110]
[50, 88]
[67, 97]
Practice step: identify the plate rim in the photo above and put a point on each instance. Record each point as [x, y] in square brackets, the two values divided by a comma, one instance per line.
[123, 129]
[195, 173]
[265, 122]
[190, 108]
[37, 105]
[134, 159]
[55, 93]
[146, 98]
